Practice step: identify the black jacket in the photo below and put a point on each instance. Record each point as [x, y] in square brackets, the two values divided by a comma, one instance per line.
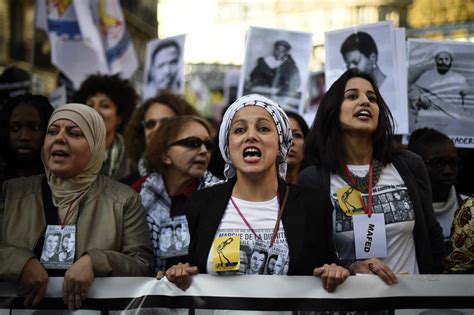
[428, 235]
[308, 232]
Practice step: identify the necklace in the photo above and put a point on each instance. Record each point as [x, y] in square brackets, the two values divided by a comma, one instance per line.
[362, 183]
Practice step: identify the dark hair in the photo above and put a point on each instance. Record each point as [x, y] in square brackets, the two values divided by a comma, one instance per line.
[324, 141]
[135, 134]
[14, 81]
[162, 45]
[283, 43]
[121, 92]
[423, 138]
[300, 120]
[360, 41]
[166, 134]
[42, 105]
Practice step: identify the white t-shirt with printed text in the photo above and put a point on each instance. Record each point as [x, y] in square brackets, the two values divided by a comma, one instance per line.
[256, 257]
[390, 197]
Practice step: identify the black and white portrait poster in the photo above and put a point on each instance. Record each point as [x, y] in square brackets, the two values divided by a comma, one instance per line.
[316, 91]
[277, 65]
[231, 85]
[441, 88]
[164, 66]
[371, 48]
[59, 247]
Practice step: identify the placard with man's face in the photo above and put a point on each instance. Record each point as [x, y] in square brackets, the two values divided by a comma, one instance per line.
[277, 65]
[373, 49]
[441, 88]
[164, 66]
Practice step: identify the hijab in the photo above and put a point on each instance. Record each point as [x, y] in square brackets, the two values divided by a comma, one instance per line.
[279, 117]
[68, 192]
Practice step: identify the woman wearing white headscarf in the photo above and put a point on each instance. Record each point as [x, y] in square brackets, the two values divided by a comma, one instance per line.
[105, 217]
[255, 208]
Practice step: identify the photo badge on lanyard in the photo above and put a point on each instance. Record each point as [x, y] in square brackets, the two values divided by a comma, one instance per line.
[59, 247]
[173, 239]
[226, 253]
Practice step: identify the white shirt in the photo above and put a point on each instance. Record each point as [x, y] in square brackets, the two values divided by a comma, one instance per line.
[262, 218]
[390, 196]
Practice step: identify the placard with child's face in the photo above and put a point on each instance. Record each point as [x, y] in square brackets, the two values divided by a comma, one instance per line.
[373, 49]
[441, 88]
[164, 66]
[277, 65]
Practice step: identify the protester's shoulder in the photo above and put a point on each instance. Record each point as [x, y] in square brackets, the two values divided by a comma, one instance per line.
[408, 157]
[304, 192]
[212, 191]
[22, 186]
[113, 189]
[310, 170]
[310, 175]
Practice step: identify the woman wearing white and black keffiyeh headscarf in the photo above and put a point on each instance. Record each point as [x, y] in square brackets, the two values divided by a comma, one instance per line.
[279, 117]
[255, 223]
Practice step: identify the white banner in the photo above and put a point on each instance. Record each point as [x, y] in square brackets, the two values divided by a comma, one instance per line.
[263, 293]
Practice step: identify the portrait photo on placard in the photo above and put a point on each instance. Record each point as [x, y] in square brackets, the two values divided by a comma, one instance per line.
[277, 65]
[164, 66]
[372, 49]
[441, 87]
[316, 91]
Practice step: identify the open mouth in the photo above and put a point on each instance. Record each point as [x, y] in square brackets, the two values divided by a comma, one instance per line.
[252, 154]
[59, 154]
[363, 114]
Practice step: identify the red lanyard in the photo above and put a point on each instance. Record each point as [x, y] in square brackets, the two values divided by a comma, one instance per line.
[277, 224]
[369, 208]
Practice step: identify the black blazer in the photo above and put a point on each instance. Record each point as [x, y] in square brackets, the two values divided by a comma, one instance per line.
[307, 230]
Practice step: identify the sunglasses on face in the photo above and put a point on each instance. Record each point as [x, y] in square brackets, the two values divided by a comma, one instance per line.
[194, 143]
[149, 124]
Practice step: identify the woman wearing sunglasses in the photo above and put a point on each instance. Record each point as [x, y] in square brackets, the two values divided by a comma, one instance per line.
[255, 208]
[145, 120]
[177, 158]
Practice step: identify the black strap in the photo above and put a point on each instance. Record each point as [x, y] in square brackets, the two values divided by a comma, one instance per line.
[50, 211]
[52, 218]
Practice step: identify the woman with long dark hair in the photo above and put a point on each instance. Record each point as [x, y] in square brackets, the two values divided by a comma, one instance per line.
[379, 198]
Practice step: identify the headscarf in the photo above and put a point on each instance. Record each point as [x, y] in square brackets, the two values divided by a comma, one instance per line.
[279, 117]
[68, 192]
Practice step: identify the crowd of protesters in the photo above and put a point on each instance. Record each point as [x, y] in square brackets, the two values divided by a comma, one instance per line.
[105, 186]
